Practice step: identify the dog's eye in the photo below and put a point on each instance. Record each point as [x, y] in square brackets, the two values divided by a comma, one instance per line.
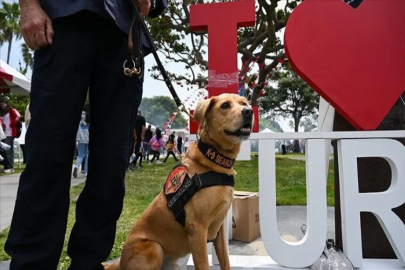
[225, 105]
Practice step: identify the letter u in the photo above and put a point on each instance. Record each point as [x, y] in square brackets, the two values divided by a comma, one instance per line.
[305, 252]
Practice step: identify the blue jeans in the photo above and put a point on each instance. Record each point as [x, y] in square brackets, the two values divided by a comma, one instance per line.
[147, 150]
[82, 153]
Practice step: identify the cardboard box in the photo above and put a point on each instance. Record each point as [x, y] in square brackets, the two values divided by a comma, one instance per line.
[245, 216]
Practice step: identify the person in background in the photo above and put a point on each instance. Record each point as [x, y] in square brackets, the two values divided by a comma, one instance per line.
[3, 146]
[140, 124]
[10, 118]
[179, 143]
[27, 120]
[186, 144]
[155, 144]
[87, 110]
[82, 139]
[136, 156]
[173, 136]
[27, 116]
[148, 136]
[170, 149]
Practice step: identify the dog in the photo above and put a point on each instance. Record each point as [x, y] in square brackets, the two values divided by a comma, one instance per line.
[157, 239]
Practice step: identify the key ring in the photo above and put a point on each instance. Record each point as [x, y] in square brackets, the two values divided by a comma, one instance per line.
[131, 71]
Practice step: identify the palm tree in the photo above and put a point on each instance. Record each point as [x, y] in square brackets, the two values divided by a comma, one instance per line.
[9, 24]
[28, 56]
[2, 19]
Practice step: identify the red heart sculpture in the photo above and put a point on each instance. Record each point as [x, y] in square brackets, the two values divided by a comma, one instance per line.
[355, 59]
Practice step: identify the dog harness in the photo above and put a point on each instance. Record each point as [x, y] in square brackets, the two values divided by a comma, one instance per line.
[180, 187]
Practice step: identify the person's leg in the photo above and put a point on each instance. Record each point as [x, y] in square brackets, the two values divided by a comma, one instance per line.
[81, 154]
[23, 153]
[86, 159]
[60, 81]
[154, 155]
[10, 152]
[114, 100]
[83, 164]
[5, 162]
[175, 158]
[140, 159]
[146, 152]
[172, 153]
[167, 156]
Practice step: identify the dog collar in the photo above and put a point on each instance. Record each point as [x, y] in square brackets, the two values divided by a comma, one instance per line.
[214, 156]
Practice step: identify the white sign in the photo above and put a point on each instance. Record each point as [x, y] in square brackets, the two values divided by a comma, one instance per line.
[351, 145]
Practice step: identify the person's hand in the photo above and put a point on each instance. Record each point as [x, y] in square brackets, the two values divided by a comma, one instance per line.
[143, 6]
[36, 26]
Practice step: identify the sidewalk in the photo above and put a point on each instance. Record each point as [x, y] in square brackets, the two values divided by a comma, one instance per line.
[8, 193]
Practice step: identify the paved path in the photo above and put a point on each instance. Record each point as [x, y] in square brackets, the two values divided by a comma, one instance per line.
[8, 192]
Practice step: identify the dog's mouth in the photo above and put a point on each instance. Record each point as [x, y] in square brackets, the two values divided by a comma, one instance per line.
[243, 131]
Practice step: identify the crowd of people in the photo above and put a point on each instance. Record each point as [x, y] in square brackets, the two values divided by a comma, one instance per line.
[149, 145]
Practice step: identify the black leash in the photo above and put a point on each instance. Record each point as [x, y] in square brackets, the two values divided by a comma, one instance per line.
[140, 24]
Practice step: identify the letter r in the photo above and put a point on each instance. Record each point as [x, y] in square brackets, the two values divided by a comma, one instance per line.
[378, 203]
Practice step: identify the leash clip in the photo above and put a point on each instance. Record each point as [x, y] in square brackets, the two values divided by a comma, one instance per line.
[131, 71]
[183, 108]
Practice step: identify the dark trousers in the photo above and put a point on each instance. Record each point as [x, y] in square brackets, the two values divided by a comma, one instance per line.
[9, 154]
[87, 54]
[138, 156]
[23, 153]
[168, 154]
[179, 146]
[156, 154]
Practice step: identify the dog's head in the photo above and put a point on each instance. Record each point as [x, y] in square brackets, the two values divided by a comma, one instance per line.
[225, 119]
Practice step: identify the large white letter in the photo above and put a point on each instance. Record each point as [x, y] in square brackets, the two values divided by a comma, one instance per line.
[305, 252]
[380, 204]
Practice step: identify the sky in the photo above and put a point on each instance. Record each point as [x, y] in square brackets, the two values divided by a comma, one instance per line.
[151, 86]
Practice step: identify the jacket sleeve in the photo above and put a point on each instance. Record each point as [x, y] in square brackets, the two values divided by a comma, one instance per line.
[2, 135]
[160, 6]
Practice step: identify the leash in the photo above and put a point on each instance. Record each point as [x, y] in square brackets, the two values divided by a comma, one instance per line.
[134, 55]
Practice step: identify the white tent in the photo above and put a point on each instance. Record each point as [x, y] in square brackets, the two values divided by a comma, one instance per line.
[12, 81]
[266, 130]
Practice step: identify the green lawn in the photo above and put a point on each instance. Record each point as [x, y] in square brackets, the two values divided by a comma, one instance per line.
[144, 184]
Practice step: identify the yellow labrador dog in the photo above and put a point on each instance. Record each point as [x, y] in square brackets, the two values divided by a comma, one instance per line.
[173, 227]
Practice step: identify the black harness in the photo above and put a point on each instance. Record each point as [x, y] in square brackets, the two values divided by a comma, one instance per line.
[180, 187]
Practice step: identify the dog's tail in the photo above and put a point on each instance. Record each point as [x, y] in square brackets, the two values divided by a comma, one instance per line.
[112, 265]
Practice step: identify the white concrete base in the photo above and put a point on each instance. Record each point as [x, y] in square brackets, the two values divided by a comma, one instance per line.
[265, 262]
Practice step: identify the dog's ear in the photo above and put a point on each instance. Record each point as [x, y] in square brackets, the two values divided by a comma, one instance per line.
[203, 108]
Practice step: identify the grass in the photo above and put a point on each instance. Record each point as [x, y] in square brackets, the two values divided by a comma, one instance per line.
[144, 184]
[16, 170]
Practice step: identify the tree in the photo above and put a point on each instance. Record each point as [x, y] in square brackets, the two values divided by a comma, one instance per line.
[258, 45]
[308, 124]
[9, 24]
[158, 109]
[291, 98]
[28, 58]
[270, 124]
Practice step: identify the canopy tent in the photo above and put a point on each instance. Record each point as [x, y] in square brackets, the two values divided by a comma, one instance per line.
[12, 81]
[266, 130]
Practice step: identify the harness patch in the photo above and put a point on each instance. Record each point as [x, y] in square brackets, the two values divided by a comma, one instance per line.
[175, 180]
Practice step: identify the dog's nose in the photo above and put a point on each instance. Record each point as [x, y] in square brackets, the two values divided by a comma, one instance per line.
[247, 112]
